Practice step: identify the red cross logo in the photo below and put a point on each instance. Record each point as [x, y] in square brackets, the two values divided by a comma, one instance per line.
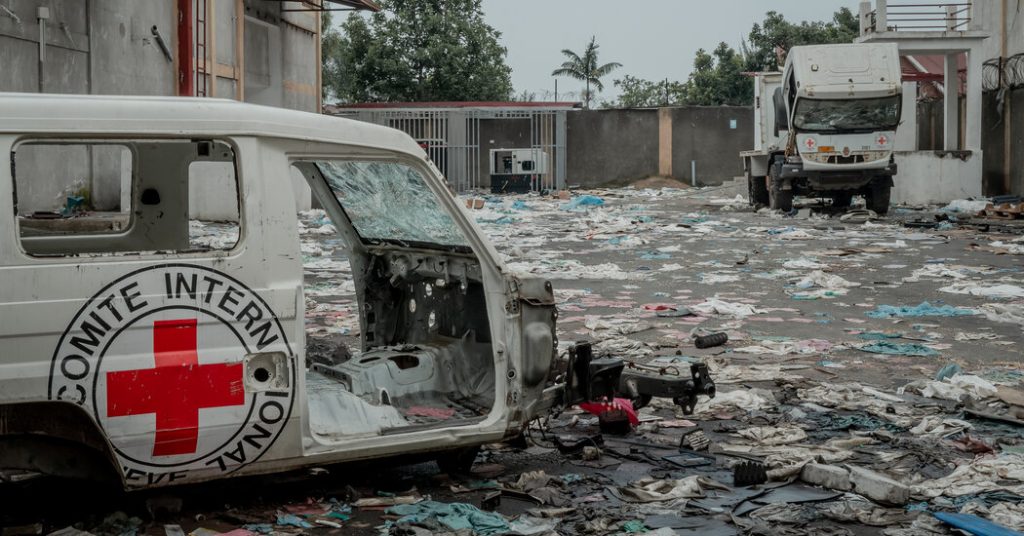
[175, 389]
[809, 143]
[882, 140]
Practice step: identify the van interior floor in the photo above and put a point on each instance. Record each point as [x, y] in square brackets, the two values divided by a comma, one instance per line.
[391, 388]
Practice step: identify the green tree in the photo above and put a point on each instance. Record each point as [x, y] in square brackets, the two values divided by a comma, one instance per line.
[585, 68]
[717, 78]
[769, 40]
[639, 93]
[416, 50]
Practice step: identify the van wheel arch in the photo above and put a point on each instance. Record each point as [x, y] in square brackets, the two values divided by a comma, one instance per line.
[55, 439]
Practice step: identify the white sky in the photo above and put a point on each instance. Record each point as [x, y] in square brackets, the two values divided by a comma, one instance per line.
[652, 39]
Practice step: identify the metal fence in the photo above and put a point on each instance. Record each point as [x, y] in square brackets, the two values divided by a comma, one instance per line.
[904, 16]
[451, 136]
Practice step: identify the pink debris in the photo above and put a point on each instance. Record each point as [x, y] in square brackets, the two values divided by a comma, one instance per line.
[424, 411]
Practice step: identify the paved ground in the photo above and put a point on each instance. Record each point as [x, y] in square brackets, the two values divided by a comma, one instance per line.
[815, 370]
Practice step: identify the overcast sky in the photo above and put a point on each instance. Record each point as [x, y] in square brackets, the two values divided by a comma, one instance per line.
[652, 39]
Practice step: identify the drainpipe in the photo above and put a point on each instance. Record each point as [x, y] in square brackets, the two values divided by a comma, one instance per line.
[186, 57]
[42, 15]
[1007, 100]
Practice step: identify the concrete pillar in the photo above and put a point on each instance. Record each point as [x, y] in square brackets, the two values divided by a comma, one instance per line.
[665, 142]
[906, 133]
[881, 15]
[560, 134]
[865, 18]
[951, 109]
[972, 130]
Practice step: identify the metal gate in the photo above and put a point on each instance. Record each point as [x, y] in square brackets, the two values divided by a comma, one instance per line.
[451, 135]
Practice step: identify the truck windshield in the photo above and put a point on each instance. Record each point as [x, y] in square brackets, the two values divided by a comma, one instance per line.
[858, 114]
[390, 202]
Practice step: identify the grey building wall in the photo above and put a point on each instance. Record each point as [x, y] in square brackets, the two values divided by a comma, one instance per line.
[994, 179]
[712, 137]
[616, 146]
[604, 146]
[107, 47]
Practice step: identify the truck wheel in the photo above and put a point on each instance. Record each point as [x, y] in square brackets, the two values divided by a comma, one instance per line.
[779, 199]
[877, 198]
[757, 189]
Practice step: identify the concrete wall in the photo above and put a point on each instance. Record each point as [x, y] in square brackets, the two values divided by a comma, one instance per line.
[926, 177]
[712, 137]
[107, 47]
[614, 146]
[987, 14]
[611, 145]
[996, 179]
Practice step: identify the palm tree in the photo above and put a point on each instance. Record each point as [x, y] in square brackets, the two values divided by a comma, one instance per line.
[585, 68]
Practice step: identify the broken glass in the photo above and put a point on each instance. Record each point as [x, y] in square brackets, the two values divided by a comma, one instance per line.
[857, 114]
[391, 202]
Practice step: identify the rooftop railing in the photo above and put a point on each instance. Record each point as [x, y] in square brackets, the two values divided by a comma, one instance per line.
[915, 17]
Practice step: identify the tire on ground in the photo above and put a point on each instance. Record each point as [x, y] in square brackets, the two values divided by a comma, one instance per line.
[878, 196]
[779, 199]
[757, 190]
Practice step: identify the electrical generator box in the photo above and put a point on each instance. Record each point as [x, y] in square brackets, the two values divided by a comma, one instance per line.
[517, 170]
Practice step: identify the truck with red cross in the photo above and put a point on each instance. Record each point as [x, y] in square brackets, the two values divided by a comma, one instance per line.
[826, 127]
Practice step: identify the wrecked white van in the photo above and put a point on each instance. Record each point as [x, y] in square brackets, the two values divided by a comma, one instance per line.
[129, 343]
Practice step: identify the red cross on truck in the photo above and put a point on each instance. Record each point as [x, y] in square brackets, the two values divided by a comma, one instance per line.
[176, 389]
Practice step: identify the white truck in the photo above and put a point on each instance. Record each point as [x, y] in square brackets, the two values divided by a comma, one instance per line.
[135, 346]
[826, 127]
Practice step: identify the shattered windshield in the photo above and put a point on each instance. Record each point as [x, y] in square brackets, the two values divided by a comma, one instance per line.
[859, 114]
[391, 202]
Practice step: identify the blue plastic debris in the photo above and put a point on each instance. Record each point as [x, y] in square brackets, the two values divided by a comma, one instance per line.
[948, 371]
[583, 201]
[878, 336]
[260, 528]
[292, 520]
[519, 204]
[973, 524]
[655, 256]
[693, 221]
[893, 348]
[455, 516]
[925, 309]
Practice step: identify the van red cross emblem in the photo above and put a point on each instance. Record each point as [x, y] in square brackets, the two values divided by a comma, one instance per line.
[175, 389]
[809, 143]
[882, 140]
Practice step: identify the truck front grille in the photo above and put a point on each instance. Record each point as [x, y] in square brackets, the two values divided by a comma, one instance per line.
[852, 159]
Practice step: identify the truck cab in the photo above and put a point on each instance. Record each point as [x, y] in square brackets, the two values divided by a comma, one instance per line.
[833, 114]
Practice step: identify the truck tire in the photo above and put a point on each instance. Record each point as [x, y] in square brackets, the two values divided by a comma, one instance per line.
[779, 199]
[877, 198]
[757, 190]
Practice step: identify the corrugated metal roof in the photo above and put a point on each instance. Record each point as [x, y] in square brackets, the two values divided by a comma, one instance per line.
[358, 4]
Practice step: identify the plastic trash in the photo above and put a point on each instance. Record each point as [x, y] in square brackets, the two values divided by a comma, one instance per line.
[583, 201]
[894, 348]
[973, 524]
[948, 371]
[925, 309]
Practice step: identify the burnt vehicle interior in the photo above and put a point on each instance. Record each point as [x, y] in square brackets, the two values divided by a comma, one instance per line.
[425, 356]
